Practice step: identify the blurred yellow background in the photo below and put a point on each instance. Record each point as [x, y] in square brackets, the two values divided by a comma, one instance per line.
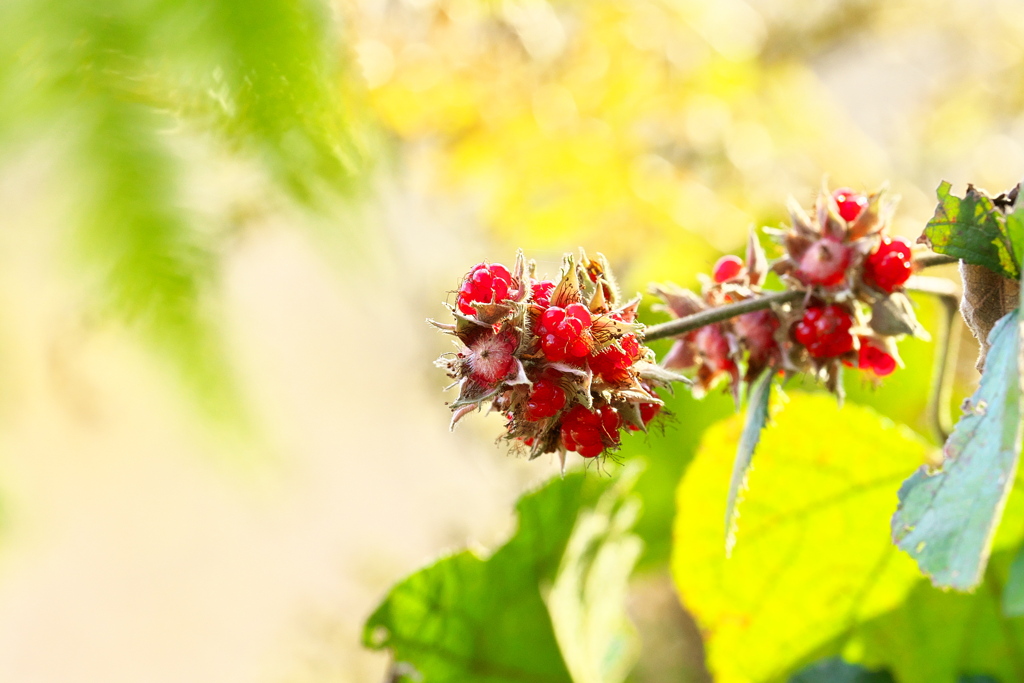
[146, 540]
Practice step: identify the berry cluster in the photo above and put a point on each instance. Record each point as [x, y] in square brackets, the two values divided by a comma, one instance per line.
[738, 349]
[563, 362]
[852, 312]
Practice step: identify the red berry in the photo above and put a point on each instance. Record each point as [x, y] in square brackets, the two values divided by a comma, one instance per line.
[824, 263]
[613, 365]
[545, 400]
[727, 268]
[562, 332]
[590, 432]
[542, 292]
[850, 203]
[825, 331]
[483, 284]
[873, 358]
[889, 266]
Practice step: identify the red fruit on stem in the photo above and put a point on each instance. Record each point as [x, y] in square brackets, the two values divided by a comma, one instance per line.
[561, 332]
[545, 400]
[483, 284]
[889, 266]
[850, 203]
[590, 432]
[824, 263]
[825, 331]
[727, 268]
[873, 358]
[613, 365]
[542, 292]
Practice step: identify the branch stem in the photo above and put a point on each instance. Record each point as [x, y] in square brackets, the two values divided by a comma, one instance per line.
[944, 289]
[689, 323]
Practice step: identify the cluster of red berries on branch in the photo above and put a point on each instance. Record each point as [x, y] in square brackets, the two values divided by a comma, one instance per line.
[562, 361]
[851, 273]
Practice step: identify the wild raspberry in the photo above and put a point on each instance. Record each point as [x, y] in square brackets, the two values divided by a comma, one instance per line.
[484, 284]
[613, 365]
[825, 331]
[562, 332]
[545, 400]
[824, 263]
[590, 432]
[850, 203]
[542, 292]
[727, 268]
[888, 267]
[872, 358]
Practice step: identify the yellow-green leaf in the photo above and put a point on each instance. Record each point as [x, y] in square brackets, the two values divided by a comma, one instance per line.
[813, 554]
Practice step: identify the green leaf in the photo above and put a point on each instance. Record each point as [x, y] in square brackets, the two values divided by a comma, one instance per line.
[812, 555]
[667, 450]
[1015, 232]
[947, 517]
[972, 229]
[939, 636]
[757, 418]
[467, 618]
[598, 643]
[835, 670]
[1013, 593]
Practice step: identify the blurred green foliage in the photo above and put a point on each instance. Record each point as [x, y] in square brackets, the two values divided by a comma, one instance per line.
[125, 96]
[546, 606]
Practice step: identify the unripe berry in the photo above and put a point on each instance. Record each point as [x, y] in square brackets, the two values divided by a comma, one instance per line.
[727, 268]
[889, 266]
[562, 332]
[483, 284]
[825, 331]
[850, 203]
[824, 263]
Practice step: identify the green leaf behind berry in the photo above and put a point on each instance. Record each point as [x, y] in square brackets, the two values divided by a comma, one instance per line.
[1013, 593]
[835, 670]
[812, 557]
[465, 618]
[947, 518]
[974, 230]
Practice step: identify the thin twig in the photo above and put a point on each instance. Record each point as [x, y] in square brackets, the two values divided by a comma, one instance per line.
[928, 285]
[946, 348]
[928, 260]
[689, 323]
